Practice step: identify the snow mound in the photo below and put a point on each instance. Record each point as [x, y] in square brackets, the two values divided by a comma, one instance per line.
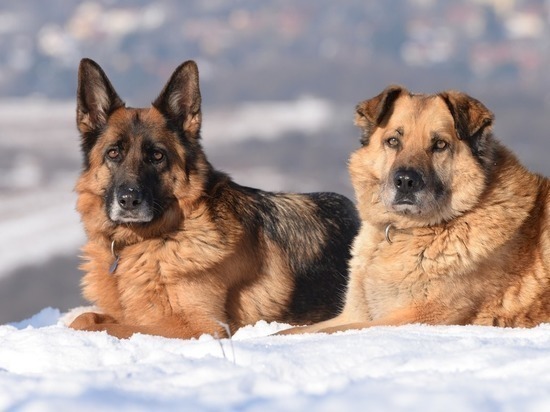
[44, 366]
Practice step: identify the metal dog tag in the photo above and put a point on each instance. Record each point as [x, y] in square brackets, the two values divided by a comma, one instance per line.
[114, 265]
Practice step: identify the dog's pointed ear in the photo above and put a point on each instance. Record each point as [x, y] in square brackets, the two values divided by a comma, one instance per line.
[180, 99]
[473, 121]
[96, 98]
[371, 113]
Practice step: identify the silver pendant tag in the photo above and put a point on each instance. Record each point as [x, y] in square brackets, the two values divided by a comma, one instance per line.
[114, 265]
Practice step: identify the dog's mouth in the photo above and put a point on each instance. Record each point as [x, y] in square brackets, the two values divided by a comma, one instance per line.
[404, 201]
[131, 219]
[143, 215]
[423, 204]
[406, 207]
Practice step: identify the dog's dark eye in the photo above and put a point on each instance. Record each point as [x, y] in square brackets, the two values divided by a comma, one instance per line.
[440, 145]
[393, 142]
[113, 154]
[157, 156]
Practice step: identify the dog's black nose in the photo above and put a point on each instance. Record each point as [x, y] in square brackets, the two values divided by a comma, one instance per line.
[129, 198]
[408, 181]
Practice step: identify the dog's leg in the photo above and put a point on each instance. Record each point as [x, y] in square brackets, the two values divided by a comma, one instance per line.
[90, 320]
[430, 314]
[173, 327]
[339, 324]
[316, 327]
[393, 320]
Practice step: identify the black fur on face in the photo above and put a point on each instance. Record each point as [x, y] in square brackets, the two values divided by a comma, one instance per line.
[136, 163]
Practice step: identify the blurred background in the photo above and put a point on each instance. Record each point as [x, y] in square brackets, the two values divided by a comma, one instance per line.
[280, 80]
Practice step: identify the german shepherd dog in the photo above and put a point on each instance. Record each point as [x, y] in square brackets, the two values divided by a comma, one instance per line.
[176, 248]
[454, 229]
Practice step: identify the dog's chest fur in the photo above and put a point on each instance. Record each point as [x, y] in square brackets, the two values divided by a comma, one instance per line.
[409, 270]
[156, 277]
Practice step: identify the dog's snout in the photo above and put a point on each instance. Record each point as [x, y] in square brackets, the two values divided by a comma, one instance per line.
[129, 198]
[130, 203]
[408, 181]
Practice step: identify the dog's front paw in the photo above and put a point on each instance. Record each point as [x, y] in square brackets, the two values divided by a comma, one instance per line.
[91, 321]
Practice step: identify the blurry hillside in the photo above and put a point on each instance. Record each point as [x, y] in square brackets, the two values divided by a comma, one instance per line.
[277, 49]
[282, 50]
[279, 78]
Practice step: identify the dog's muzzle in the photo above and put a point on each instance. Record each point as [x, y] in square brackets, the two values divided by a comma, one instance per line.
[407, 183]
[130, 204]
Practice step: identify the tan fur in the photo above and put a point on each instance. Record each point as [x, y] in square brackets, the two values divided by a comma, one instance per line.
[478, 255]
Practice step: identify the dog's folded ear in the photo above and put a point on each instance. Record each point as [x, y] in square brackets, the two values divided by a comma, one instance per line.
[472, 119]
[180, 99]
[473, 122]
[371, 113]
[96, 97]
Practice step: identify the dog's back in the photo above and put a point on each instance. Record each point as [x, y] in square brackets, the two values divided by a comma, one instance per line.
[295, 251]
[315, 231]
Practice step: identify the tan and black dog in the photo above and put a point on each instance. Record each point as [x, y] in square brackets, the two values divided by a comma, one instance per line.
[454, 229]
[176, 248]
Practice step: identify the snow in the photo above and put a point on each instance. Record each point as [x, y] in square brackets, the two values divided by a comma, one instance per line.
[45, 366]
